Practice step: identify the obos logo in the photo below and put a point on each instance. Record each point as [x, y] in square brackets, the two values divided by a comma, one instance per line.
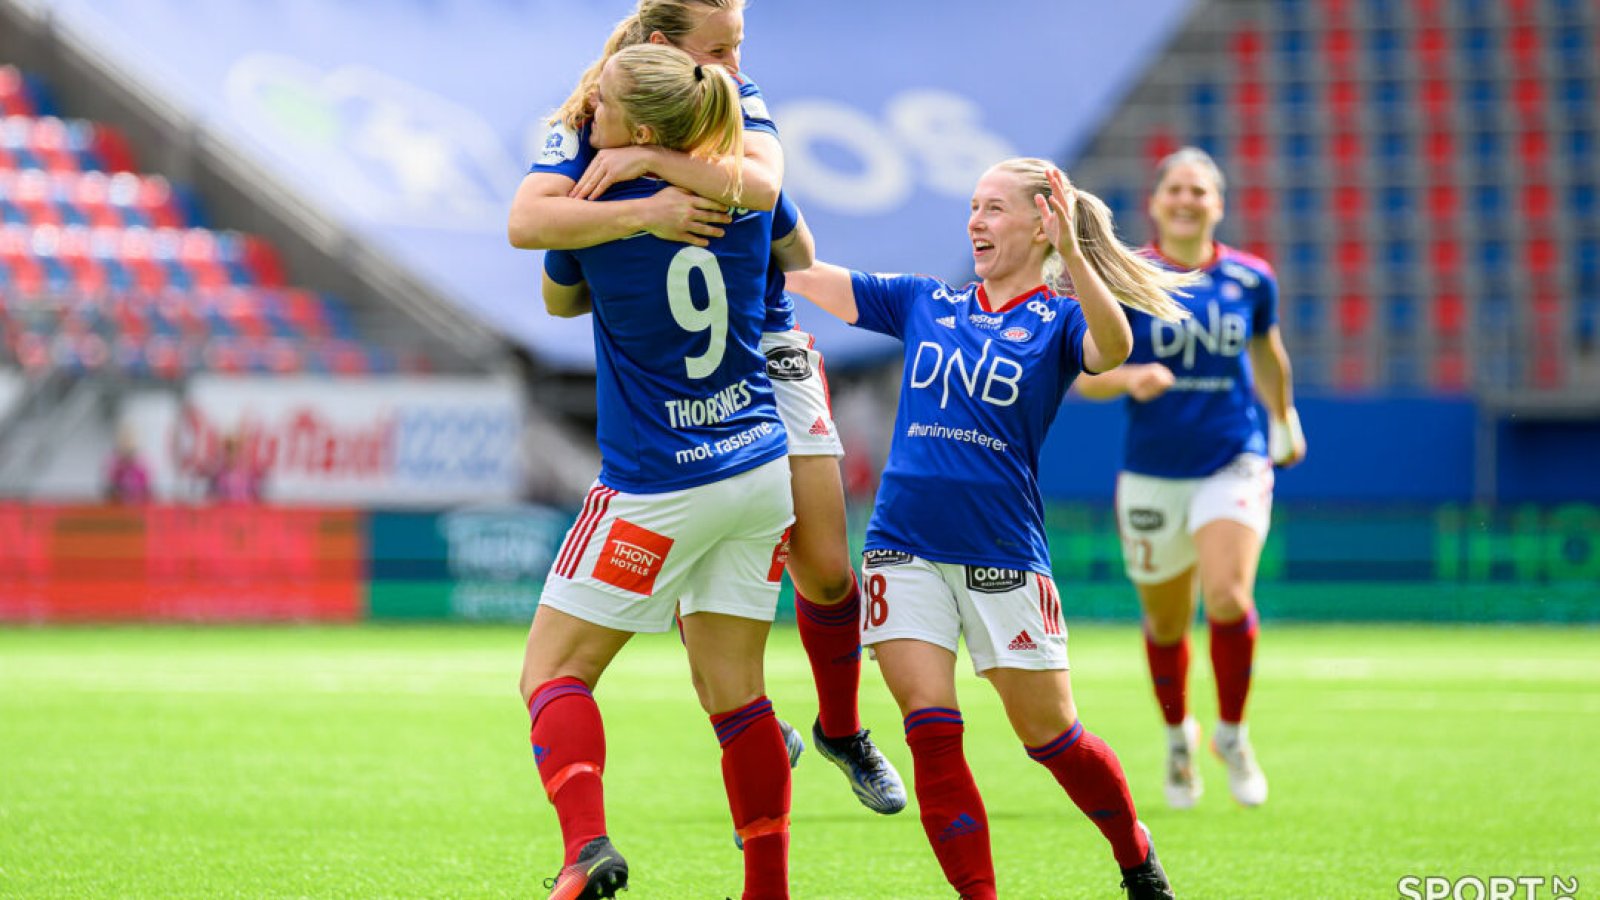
[879, 558]
[1016, 335]
[990, 580]
[1146, 519]
[788, 364]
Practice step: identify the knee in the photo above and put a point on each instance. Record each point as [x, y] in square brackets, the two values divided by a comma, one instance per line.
[1228, 602]
[1165, 627]
[825, 582]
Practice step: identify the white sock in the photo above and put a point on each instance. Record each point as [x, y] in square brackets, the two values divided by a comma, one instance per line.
[1229, 733]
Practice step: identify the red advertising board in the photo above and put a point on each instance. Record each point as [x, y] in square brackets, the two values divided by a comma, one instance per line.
[180, 563]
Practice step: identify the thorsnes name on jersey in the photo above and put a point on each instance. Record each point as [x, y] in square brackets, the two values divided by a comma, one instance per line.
[701, 411]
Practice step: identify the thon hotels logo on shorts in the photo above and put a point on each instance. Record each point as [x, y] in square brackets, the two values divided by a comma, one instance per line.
[788, 364]
[632, 557]
[990, 580]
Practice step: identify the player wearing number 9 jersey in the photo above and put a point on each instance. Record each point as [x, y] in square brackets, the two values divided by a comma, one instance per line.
[956, 546]
[1194, 499]
[691, 510]
[550, 212]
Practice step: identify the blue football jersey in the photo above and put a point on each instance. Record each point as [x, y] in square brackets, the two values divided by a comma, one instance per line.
[682, 389]
[1208, 416]
[979, 392]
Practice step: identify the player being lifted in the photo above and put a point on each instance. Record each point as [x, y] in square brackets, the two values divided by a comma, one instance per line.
[956, 544]
[692, 502]
[1194, 499]
[550, 212]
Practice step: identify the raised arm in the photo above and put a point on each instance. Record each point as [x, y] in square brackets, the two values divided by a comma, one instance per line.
[1109, 340]
[829, 287]
[543, 217]
[753, 184]
[1274, 385]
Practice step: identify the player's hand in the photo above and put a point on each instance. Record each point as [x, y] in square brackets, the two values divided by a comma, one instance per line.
[1057, 216]
[1286, 441]
[610, 167]
[674, 214]
[1147, 382]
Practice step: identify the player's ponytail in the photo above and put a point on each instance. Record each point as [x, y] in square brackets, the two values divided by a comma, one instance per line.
[1133, 280]
[671, 18]
[686, 107]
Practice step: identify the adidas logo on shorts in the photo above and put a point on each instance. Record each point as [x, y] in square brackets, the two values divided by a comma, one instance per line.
[819, 427]
[1022, 641]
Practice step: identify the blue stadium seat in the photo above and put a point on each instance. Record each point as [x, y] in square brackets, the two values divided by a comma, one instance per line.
[1394, 148]
[1396, 200]
[1386, 49]
[1305, 257]
[1299, 147]
[1571, 47]
[1293, 50]
[1486, 148]
[1480, 96]
[1583, 200]
[1493, 257]
[1400, 312]
[1399, 257]
[1388, 99]
[1488, 200]
[1308, 315]
[1574, 97]
[1302, 202]
[1477, 50]
[1579, 143]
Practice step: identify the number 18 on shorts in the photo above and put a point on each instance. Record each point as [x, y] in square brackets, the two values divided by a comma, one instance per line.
[1011, 618]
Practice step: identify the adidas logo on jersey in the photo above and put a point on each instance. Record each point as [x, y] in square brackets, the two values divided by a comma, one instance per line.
[819, 427]
[960, 825]
[947, 321]
[1022, 641]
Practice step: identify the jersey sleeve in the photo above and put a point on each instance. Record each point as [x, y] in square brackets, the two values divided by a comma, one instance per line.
[883, 302]
[754, 105]
[565, 151]
[785, 216]
[562, 267]
[1074, 328]
[1266, 307]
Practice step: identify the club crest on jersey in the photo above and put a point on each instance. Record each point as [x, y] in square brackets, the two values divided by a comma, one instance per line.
[877, 559]
[983, 320]
[1230, 290]
[788, 364]
[1016, 335]
[991, 580]
[560, 145]
[1146, 519]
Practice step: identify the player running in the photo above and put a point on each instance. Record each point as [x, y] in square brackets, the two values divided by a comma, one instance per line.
[957, 544]
[1194, 499]
[690, 511]
[549, 213]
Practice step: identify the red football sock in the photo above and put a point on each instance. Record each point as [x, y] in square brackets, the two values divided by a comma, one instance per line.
[952, 811]
[755, 770]
[1169, 673]
[1089, 770]
[1233, 652]
[832, 638]
[569, 745]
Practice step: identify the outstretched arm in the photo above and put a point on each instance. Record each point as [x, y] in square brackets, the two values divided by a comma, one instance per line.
[752, 184]
[829, 287]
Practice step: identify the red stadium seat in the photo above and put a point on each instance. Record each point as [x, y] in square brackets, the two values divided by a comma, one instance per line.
[1354, 374]
[1338, 46]
[1449, 313]
[1432, 49]
[263, 261]
[1246, 47]
[1355, 315]
[113, 149]
[1528, 96]
[1443, 202]
[1533, 146]
[1349, 201]
[1450, 370]
[14, 99]
[1542, 255]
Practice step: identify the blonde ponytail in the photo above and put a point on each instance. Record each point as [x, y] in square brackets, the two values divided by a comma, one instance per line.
[686, 107]
[1136, 282]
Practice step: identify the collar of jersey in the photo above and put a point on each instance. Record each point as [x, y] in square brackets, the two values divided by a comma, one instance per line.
[983, 299]
[1218, 250]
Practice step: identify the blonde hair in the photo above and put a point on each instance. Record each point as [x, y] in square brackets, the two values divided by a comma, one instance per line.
[1136, 282]
[687, 107]
[673, 18]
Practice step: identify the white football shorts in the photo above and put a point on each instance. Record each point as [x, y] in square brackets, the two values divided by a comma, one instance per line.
[1157, 517]
[633, 560]
[801, 387]
[1011, 617]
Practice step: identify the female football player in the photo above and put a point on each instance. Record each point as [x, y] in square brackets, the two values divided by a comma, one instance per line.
[1194, 498]
[957, 544]
[689, 512]
[551, 212]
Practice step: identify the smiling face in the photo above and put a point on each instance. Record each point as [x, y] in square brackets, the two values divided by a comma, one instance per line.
[715, 41]
[1187, 204]
[1004, 228]
[611, 127]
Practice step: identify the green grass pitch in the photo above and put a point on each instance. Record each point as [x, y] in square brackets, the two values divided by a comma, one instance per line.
[377, 761]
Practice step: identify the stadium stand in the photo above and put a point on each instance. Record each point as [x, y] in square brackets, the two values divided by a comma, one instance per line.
[106, 269]
[1422, 175]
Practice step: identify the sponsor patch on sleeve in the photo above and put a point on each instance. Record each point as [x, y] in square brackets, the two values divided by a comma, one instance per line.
[560, 145]
[755, 108]
[632, 557]
[788, 364]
